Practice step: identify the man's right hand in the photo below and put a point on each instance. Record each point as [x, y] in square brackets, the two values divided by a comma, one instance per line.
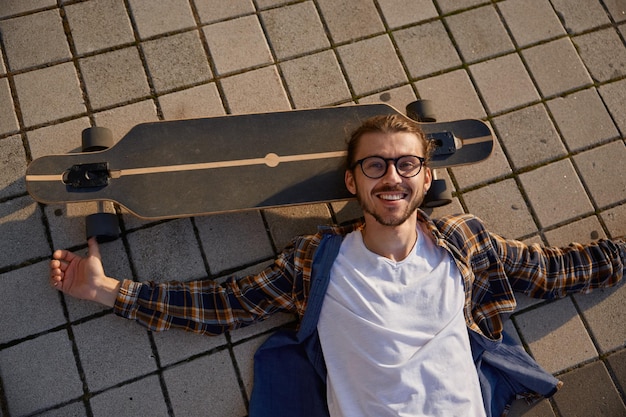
[83, 277]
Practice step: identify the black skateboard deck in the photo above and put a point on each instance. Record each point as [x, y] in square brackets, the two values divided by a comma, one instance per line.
[185, 168]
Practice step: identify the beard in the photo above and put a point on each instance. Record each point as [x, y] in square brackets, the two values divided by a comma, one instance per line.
[387, 218]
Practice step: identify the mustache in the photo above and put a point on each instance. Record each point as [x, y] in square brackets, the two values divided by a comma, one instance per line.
[391, 189]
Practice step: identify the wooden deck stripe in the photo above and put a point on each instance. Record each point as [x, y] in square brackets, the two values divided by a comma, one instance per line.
[271, 160]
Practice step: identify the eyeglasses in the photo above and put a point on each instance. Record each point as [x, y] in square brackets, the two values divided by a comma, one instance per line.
[376, 167]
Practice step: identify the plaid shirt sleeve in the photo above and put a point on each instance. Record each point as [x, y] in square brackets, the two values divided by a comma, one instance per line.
[551, 272]
[208, 307]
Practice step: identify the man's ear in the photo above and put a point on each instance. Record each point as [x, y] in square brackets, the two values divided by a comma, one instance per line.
[428, 179]
[350, 182]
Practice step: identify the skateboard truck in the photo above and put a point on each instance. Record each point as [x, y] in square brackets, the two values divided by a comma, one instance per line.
[445, 142]
[93, 175]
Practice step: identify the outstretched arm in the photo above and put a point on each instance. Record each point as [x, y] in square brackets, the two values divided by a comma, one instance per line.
[83, 277]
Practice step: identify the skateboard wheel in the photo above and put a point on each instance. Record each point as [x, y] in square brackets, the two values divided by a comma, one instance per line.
[438, 195]
[421, 111]
[104, 226]
[96, 139]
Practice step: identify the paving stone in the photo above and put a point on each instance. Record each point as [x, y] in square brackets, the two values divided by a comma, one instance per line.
[529, 136]
[581, 231]
[531, 21]
[504, 83]
[541, 409]
[187, 387]
[22, 231]
[615, 220]
[603, 53]
[614, 96]
[67, 222]
[176, 61]
[8, 120]
[49, 94]
[154, 18]
[601, 170]
[589, 391]
[114, 77]
[549, 187]
[264, 83]
[580, 16]
[13, 7]
[28, 304]
[100, 343]
[448, 6]
[371, 64]
[237, 44]
[502, 208]
[57, 139]
[12, 167]
[294, 30]
[315, 80]
[617, 9]
[496, 166]
[617, 365]
[453, 95]
[479, 33]
[350, 19]
[211, 11]
[453, 208]
[177, 240]
[98, 25]
[556, 336]
[196, 102]
[426, 49]
[263, 4]
[556, 67]
[39, 373]
[603, 309]
[403, 12]
[288, 222]
[75, 409]
[346, 211]
[177, 345]
[35, 39]
[233, 240]
[138, 398]
[572, 114]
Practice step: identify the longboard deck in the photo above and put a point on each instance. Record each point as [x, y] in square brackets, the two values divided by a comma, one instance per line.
[192, 167]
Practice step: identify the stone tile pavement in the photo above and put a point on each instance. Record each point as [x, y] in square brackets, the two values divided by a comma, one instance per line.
[549, 75]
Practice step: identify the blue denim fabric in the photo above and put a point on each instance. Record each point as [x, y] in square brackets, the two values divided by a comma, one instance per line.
[290, 374]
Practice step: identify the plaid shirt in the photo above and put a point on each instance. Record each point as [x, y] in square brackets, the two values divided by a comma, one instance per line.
[492, 269]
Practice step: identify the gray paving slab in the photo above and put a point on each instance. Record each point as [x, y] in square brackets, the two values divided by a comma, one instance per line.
[529, 136]
[99, 24]
[237, 44]
[531, 21]
[155, 18]
[479, 34]
[572, 113]
[49, 94]
[294, 30]
[548, 75]
[114, 77]
[8, 120]
[34, 40]
[176, 61]
[315, 80]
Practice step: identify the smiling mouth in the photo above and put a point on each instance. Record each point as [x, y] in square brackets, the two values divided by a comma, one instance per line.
[392, 197]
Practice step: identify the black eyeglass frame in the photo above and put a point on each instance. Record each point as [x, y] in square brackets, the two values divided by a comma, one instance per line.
[395, 164]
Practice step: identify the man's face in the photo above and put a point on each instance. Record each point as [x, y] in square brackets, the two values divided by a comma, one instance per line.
[391, 199]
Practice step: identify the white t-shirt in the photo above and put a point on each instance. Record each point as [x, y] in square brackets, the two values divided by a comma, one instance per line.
[394, 337]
